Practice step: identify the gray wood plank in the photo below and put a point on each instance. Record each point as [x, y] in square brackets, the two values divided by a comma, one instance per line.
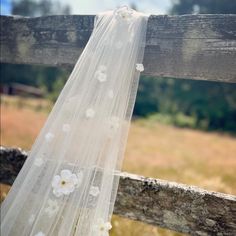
[170, 205]
[201, 47]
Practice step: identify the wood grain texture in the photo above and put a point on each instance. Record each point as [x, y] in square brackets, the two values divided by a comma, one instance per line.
[201, 47]
[170, 205]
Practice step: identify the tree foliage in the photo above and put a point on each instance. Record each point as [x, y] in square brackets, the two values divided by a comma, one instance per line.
[189, 103]
[198, 104]
[49, 79]
[39, 8]
[204, 7]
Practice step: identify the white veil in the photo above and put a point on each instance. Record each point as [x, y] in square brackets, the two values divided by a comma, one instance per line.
[68, 184]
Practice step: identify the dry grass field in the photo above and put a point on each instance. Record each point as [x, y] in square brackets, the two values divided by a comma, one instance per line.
[187, 156]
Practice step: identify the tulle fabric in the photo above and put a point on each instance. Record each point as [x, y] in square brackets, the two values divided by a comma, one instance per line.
[69, 182]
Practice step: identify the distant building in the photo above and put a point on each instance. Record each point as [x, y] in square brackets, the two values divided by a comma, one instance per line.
[21, 90]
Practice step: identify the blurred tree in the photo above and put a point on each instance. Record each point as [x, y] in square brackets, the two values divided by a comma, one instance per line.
[24, 8]
[211, 105]
[204, 7]
[39, 8]
[216, 107]
[208, 105]
[39, 76]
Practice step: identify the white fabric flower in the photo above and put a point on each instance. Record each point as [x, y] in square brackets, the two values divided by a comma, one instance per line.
[101, 77]
[94, 191]
[65, 183]
[102, 228]
[110, 94]
[52, 207]
[49, 137]
[100, 74]
[114, 123]
[66, 128]
[31, 219]
[124, 13]
[90, 113]
[38, 161]
[40, 234]
[139, 67]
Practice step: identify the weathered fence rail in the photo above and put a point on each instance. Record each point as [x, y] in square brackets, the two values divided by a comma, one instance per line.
[166, 204]
[190, 46]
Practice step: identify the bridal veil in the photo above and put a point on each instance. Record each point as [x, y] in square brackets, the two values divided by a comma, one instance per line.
[69, 182]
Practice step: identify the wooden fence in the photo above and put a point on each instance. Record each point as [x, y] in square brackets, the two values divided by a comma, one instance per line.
[201, 47]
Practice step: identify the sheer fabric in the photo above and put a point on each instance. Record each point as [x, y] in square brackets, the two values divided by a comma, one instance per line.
[69, 182]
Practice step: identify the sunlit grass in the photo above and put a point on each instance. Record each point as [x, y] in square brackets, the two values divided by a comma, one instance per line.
[188, 156]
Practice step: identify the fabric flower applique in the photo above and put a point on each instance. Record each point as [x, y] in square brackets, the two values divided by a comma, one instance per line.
[101, 74]
[139, 67]
[38, 161]
[52, 207]
[66, 128]
[90, 113]
[49, 137]
[94, 191]
[65, 183]
[114, 123]
[102, 228]
[124, 13]
[40, 234]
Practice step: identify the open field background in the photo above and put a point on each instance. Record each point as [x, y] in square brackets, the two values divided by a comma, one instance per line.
[187, 156]
[161, 151]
